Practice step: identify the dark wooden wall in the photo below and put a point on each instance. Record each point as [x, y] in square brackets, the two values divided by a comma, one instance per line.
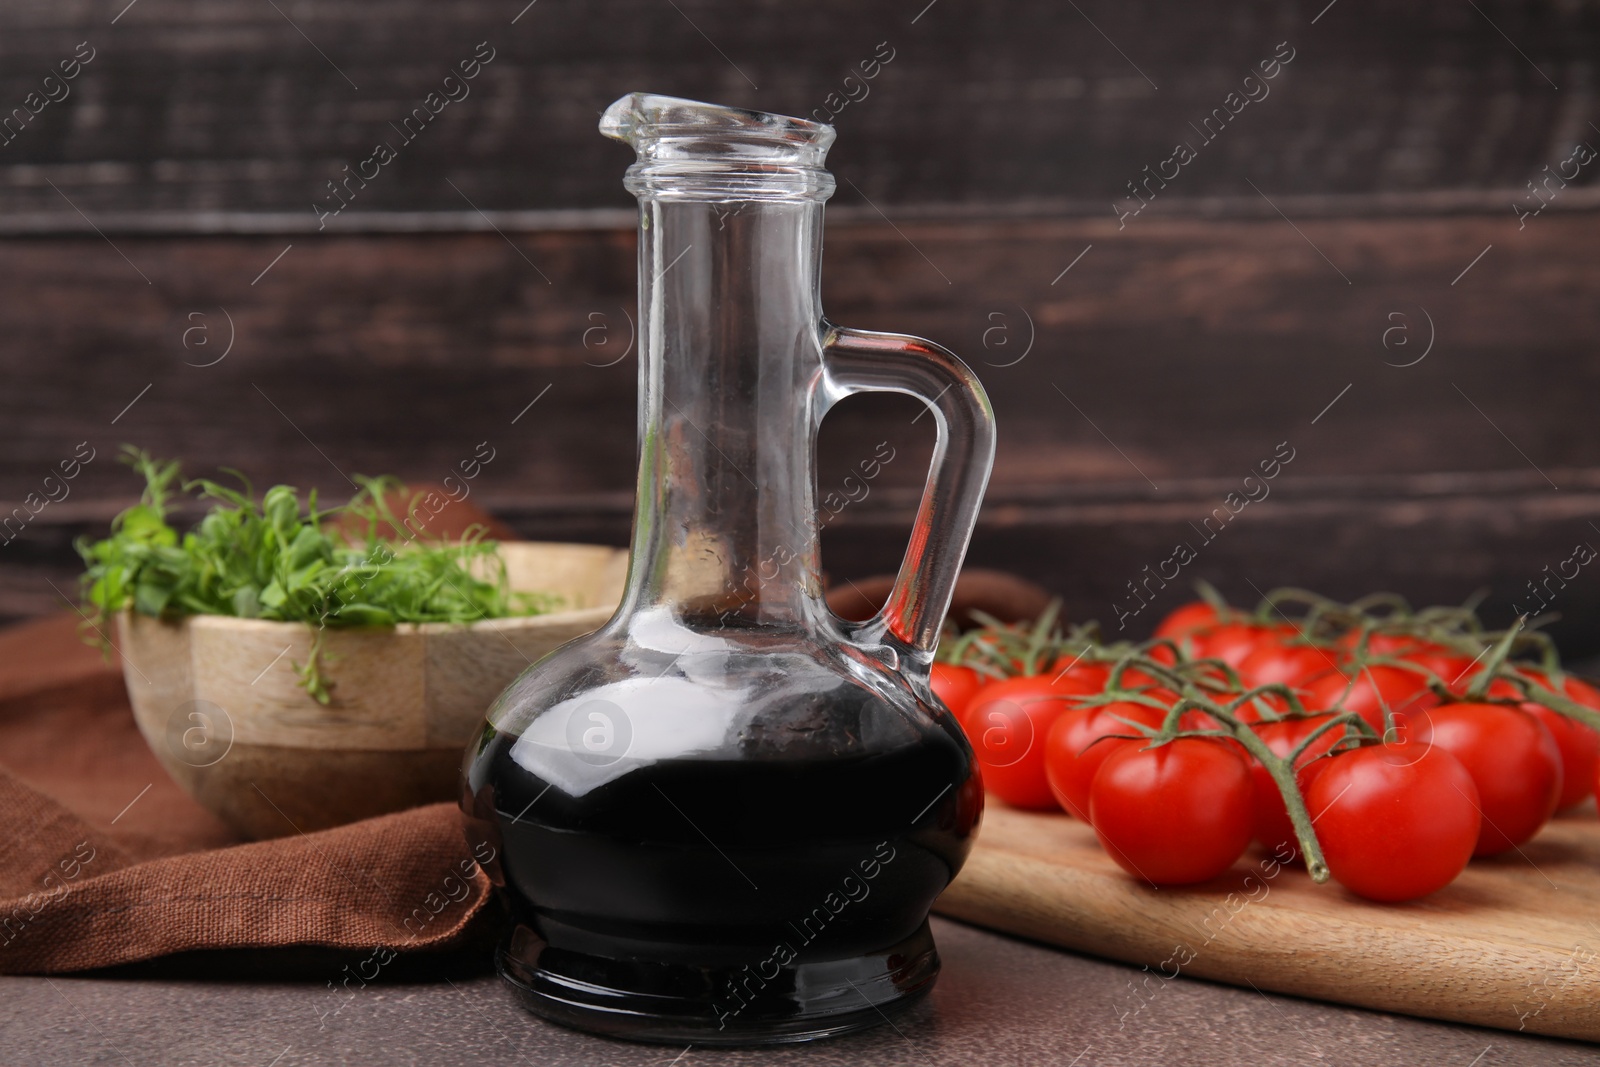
[1324, 226]
[228, 105]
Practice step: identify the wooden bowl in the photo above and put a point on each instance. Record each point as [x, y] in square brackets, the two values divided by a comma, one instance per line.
[219, 702]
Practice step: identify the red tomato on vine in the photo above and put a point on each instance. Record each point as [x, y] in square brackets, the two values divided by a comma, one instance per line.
[1579, 744]
[1513, 761]
[1367, 691]
[1453, 669]
[1580, 754]
[1186, 619]
[1176, 814]
[1007, 723]
[1285, 664]
[1233, 642]
[1395, 821]
[1376, 644]
[954, 685]
[1079, 742]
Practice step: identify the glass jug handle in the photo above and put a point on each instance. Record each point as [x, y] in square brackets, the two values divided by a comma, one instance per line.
[857, 361]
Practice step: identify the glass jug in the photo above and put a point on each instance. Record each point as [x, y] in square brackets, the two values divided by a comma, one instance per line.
[722, 817]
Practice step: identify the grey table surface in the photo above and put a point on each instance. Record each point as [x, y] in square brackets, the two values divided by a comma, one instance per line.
[998, 1001]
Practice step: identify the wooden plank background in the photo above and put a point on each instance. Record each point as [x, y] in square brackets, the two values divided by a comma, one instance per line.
[1277, 275]
[233, 105]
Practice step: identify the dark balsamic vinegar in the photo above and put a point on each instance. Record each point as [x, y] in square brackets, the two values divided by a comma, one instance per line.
[785, 881]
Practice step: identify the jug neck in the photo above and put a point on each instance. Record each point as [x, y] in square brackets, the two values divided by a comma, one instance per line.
[729, 366]
[730, 360]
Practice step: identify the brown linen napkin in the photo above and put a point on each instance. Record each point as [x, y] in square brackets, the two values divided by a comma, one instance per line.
[104, 860]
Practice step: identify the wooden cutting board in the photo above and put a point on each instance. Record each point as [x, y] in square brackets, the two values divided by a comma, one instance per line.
[1513, 943]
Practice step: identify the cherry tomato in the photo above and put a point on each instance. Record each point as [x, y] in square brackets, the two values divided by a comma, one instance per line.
[1076, 746]
[1512, 759]
[1131, 678]
[1173, 815]
[1579, 744]
[1381, 644]
[1587, 695]
[1451, 668]
[1467, 677]
[1163, 654]
[1007, 723]
[1292, 665]
[1395, 821]
[1500, 689]
[1588, 741]
[954, 685]
[1273, 830]
[1580, 753]
[1186, 619]
[1233, 641]
[1366, 691]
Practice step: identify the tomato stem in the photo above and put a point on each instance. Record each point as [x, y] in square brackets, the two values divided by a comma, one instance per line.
[1559, 703]
[1491, 668]
[1281, 770]
[1283, 776]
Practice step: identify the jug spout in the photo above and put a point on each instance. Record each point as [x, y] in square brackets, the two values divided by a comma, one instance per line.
[693, 150]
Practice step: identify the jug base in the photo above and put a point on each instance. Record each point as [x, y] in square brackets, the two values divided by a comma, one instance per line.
[672, 1003]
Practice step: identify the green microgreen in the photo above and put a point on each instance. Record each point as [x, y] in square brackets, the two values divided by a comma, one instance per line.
[281, 560]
